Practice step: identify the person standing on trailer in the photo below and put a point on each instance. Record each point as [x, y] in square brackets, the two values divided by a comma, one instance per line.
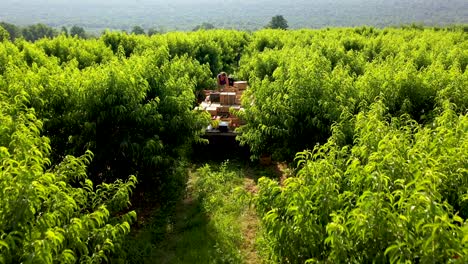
[223, 81]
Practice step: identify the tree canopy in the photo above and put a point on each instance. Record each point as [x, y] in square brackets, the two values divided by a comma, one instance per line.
[278, 22]
[13, 30]
[64, 30]
[152, 31]
[204, 25]
[4, 35]
[38, 31]
[78, 31]
[137, 30]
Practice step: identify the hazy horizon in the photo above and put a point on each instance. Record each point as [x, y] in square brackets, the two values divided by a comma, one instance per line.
[241, 14]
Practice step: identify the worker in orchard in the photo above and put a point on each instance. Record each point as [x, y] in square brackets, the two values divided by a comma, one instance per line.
[223, 81]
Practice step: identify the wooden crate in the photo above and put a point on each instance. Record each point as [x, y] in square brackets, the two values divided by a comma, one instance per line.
[223, 98]
[230, 90]
[223, 110]
[215, 97]
[231, 98]
[238, 99]
[207, 92]
[227, 98]
[213, 110]
[241, 85]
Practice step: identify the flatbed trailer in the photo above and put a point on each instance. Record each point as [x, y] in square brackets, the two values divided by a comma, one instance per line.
[217, 133]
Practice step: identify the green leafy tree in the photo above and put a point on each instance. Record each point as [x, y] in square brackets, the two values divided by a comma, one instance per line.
[204, 26]
[38, 31]
[4, 35]
[78, 31]
[64, 30]
[152, 31]
[385, 183]
[137, 30]
[303, 80]
[53, 214]
[13, 30]
[277, 22]
[85, 52]
[397, 195]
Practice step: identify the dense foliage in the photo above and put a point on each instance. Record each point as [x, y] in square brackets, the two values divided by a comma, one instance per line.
[130, 107]
[397, 195]
[304, 81]
[31, 32]
[126, 102]
[389, 182]
[388, 106]
[277, 22]
[53, 214]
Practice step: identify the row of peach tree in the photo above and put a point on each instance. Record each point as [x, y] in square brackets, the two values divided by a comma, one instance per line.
[84, 124]
[376, 122]
[388, 107]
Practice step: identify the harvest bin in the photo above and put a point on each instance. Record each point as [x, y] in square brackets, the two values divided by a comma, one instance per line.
[227, 98]
[223, 110]
[213, 110]
[215, 97]
[230, 90]
[241, 85]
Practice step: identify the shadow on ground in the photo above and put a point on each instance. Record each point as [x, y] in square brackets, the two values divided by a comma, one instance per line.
[219, 149]
[177, 234]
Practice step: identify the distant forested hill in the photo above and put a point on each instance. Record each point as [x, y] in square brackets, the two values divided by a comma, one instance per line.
[96, 15]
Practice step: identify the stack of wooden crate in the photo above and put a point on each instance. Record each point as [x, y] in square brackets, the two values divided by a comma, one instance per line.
[240, 87]
[219, 103]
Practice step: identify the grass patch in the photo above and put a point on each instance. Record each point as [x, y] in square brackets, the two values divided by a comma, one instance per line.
[212, 224]
[220, 194]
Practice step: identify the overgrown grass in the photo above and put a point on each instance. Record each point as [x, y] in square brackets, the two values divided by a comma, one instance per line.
[207, 226]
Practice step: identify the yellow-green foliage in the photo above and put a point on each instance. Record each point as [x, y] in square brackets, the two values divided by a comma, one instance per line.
[303, 81]
[53, 214]
[221, 197]
[220, 50]
[397, 194]
[132, 108]
[4, 35]
[389, 185]
[134, 113]
[129, 99]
